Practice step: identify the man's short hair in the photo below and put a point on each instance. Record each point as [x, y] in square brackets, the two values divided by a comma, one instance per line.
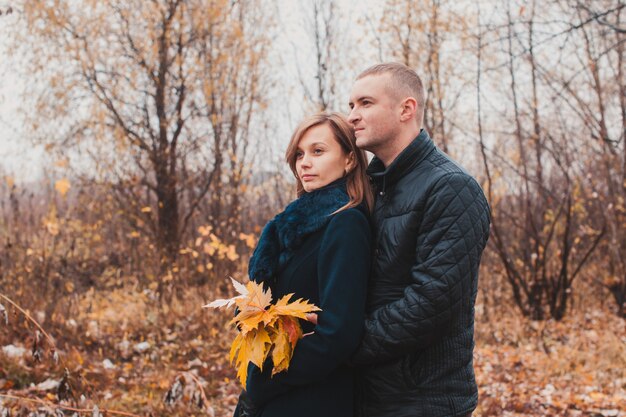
[404, 81]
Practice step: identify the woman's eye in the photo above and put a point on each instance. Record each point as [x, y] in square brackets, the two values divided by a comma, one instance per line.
[299, 155]
[318, 151]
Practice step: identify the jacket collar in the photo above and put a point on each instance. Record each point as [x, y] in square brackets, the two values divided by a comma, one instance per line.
[412, 155]
[284, 234]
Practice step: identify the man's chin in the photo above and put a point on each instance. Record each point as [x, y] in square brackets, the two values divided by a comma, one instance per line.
[363, 143]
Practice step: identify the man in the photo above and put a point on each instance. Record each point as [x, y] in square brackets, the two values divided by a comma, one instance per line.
[431, 224]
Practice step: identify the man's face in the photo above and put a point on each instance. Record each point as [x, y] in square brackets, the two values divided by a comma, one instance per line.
[375, 114]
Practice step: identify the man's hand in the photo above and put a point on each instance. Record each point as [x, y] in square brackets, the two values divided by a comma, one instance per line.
[312, 317]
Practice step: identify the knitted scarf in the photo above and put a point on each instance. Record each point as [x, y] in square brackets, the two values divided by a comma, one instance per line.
[286, 232]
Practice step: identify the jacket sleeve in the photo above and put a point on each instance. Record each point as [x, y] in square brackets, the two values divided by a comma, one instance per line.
[343, 269]
[450, 241]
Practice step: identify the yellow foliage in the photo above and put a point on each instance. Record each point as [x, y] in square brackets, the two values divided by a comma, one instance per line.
[205, 230]
[250, 239]
[208, 249]
[62, 186]
[231, 254]
[51, 223]
[265, 329]
[215, 247]
[52, 227]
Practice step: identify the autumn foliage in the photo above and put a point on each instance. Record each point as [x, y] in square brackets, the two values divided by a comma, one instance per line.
[264, 328]
[161, 125]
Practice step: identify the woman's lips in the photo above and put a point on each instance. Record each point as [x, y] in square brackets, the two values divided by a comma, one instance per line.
[307, 177]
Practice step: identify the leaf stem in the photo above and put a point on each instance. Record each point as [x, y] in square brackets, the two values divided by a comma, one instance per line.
[78, 410]
[32, 320]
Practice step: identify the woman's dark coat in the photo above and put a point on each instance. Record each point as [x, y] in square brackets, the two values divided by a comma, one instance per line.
[326, 259]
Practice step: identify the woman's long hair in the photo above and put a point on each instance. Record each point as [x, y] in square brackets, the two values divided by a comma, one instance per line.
[357, 182]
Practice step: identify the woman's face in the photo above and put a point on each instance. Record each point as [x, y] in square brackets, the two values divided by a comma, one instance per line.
[320, 159]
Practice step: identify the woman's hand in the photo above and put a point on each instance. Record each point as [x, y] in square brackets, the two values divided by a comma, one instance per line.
[245, 406]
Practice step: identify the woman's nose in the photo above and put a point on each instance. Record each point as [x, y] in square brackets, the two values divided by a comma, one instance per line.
[305, 161]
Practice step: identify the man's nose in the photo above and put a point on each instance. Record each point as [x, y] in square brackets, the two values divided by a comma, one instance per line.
[353, 117]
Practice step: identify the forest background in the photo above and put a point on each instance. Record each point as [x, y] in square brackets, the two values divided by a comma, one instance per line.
[141, 155]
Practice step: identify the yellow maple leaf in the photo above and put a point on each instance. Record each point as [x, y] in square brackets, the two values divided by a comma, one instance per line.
[285, 338]
[260, 343]
[239, 349]
[299, 308]
[254, 347]
[281, 352]
[235, 347]
[264, 327]
[240, 288]
[254, 308]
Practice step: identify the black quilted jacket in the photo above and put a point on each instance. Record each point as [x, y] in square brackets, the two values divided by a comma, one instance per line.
[431, 225]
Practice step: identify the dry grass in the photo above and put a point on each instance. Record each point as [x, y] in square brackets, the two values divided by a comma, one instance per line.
[126, 351]
[576, 367]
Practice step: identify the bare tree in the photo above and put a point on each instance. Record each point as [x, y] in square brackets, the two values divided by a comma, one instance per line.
[323, 27]
[594, 99]
[162, 96]
[540, 228]
[418, 34]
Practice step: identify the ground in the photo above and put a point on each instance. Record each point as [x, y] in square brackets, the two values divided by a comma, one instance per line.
[125, 355]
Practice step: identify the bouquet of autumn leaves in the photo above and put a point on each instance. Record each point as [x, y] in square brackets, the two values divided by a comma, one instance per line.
[264, 328]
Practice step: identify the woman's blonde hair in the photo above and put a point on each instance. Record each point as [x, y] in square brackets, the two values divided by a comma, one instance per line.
[357, 182]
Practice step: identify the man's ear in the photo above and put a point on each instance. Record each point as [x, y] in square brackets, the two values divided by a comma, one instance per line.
[409, 109]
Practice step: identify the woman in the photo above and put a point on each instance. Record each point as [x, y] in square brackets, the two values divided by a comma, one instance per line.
[319, 248]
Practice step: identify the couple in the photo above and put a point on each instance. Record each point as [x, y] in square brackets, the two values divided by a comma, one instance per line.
[396, 278]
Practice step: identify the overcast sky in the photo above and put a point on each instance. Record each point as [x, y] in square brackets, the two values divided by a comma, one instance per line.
[293, 56]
